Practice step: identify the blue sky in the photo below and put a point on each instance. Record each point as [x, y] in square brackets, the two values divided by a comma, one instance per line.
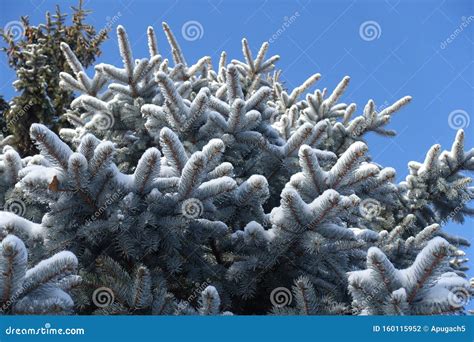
[420, 48]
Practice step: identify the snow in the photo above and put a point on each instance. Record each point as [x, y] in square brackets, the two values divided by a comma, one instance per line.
[14, 223]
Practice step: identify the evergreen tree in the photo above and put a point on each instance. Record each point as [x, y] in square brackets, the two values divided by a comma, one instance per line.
[39, 290]
[187, 190]
[37, 61]
[3, 123]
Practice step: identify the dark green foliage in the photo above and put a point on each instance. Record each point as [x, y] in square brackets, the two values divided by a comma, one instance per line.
[3, 109]
[37, 60]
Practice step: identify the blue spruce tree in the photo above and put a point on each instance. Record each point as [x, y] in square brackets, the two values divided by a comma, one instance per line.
[184, 189]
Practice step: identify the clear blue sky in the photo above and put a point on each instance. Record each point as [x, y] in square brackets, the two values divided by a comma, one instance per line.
[409, 55]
